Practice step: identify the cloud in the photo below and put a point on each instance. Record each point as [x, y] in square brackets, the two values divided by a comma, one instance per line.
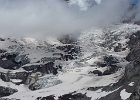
[42, 18]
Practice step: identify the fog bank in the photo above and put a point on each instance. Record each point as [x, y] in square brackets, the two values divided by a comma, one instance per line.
[42, 18]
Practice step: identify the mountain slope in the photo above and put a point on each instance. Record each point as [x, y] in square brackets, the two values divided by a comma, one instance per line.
[89, 65]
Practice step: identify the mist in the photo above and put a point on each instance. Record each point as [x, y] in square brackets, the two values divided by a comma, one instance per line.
[42, 18]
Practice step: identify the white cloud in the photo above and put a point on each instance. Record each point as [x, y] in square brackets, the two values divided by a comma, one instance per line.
[40, 18]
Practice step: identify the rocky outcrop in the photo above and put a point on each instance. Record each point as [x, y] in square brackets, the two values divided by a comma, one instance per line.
[1, 39]
[18, 75]
[111, 63]
[71, 51]
[6, 91]
[134, 45]
[12, 60]
[72, 96]
[51, 97]
[69, 96]
[118, 48]
[30, 67]
[97, 72]
[136, 93]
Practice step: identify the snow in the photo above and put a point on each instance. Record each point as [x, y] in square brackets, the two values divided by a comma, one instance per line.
[72, 81]
[124, 95]
[74, 75]
[20, 88]
[131, 84]
[16, 80]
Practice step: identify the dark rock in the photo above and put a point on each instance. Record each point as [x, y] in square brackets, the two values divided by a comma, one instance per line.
[111, 70]
[133, 39]
[51, 97]
[109, 60]
[10, 56]
[93, 88]
[9, 64]
[137, 22]
[68, 57]
[99, 73]
[71, 51]
[132, 70]
[5, 77]
[55, 71]
[13, 61]
[48, 59]
[111, 63]
[18, 75]
[134, 54]
[58, 54]
[131, 74]
[44, 69]
[1, 39]
[71, 96]
[118, 48]
[101, 64]
[31, 67]
[48, 67]
[6, 91]
[2, 51]
[136, 93]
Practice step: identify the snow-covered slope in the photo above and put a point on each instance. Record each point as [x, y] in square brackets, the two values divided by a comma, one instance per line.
[76, 74]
